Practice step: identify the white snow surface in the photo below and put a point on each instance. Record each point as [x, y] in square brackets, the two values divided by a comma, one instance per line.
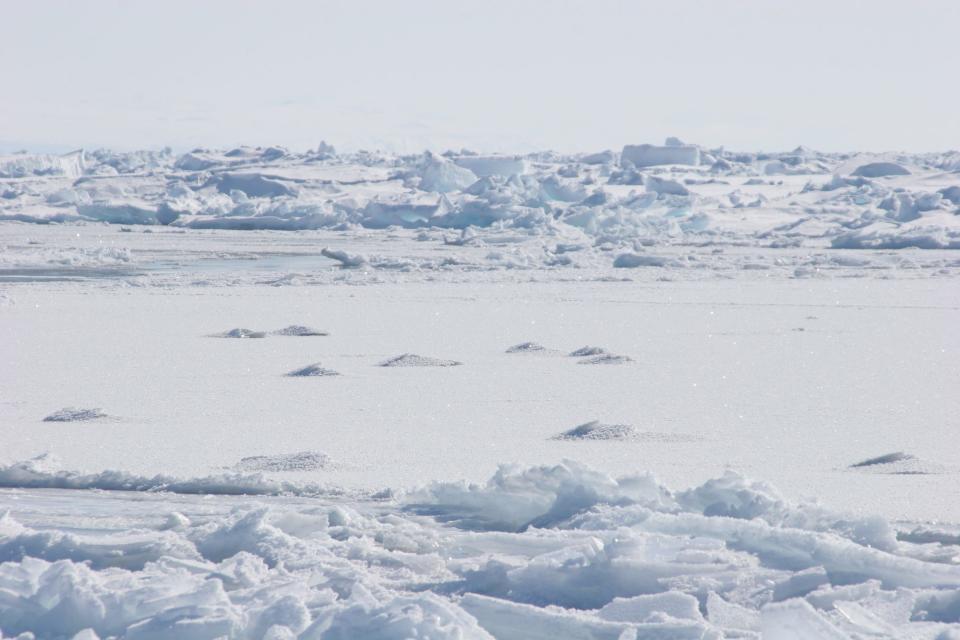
[774, 455]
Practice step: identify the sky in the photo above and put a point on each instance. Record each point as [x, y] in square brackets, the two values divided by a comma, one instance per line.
[490, 75]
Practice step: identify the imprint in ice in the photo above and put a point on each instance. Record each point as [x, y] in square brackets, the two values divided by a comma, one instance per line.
[71, 414]
[413, 360]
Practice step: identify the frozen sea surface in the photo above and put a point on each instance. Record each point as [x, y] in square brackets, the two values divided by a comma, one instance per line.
[776, 454]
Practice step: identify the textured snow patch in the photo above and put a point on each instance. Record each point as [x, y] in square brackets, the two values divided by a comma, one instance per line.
[598, 431]
[71, 414]
[241, 333]
[413, 360]
[312, 370]
[301, 461]
[299, 330]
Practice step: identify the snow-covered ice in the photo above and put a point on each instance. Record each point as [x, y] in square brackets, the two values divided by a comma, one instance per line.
[774, 456]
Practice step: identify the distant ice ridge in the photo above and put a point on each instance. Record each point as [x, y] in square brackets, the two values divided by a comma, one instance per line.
[674, 193]
[556, 551]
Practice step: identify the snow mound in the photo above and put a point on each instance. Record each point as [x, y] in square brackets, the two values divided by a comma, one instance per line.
[413, 360]
[880, 170]
[598, 431]
[606, 358]
[301, 461]
[897, 463]
[527, 347]
[300, 331]
[588, 351]
[71, 414]
[312, 370]
[241, 333]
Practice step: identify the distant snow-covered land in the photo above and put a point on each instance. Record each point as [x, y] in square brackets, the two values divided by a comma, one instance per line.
[261, 394]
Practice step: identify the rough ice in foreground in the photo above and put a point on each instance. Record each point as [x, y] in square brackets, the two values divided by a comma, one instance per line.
[539, 552]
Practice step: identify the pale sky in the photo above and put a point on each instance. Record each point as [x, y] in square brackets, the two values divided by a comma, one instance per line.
[508, 75]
